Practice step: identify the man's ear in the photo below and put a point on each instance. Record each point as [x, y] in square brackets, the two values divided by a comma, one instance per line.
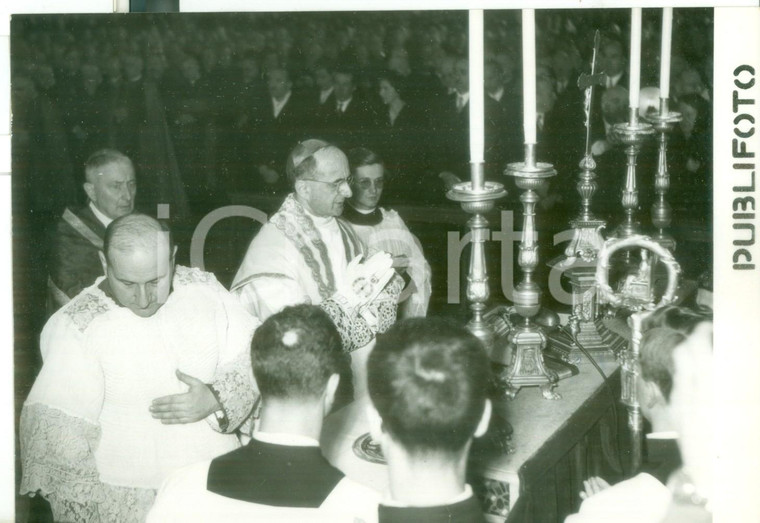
[652, 395]
[89, 189]
[301, 188]
[103, 261]
[174, 254]
[485, 419]
[332, 386]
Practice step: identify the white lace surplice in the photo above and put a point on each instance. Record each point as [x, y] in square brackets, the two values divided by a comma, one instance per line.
[87, 435]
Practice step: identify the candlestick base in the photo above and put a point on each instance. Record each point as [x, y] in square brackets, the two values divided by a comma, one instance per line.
[586, 324]
[523, 352]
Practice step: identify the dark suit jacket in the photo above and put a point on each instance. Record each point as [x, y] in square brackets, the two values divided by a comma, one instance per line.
[276, 475]
[275, 137]
[403, 146]
[74, 262]
[354, 127]
[662, 458]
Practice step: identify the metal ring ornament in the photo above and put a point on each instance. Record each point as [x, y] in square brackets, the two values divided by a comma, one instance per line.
[611, 246]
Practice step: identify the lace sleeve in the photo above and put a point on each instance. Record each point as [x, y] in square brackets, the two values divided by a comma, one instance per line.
[58, 461]
[355, 331]
[237, 392]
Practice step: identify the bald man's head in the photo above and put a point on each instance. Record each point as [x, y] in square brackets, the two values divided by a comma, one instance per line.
[138, 260]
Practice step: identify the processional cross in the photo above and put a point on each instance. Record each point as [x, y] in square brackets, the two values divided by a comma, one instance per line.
[587, 82]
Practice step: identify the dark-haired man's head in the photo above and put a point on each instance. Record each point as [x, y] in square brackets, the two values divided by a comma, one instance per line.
[278, 83]
[368, 178]
[138, 261]
[344, 84]
[428, 382]
[323, 76]
[612, 59]
[296, 353]
[664, 330]
[297, 361]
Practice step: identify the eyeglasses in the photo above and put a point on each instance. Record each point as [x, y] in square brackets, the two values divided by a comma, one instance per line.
[336, 185]
[366, 183]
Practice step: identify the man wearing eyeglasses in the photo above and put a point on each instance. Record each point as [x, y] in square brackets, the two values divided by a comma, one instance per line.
[383, 229]
[307, 254]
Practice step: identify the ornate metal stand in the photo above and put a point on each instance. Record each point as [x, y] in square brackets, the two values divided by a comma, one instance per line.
[663, 123]
[580, 256]
[478, 201]
[579, 264]
[631, 134]
[526, 341]
[641, 304]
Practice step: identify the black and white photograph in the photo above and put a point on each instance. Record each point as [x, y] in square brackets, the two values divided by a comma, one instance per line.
[410, 264]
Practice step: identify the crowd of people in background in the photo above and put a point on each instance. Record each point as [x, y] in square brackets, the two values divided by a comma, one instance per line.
[206, 105]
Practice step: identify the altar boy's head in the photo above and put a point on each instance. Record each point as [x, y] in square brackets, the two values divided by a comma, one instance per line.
[297, 357]
[428, 384]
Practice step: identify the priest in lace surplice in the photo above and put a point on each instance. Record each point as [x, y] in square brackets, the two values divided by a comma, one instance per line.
[307, 254]
[144, 372]
[383, 229]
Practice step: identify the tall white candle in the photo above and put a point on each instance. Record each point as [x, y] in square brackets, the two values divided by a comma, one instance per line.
[529, 74]
[477, 119]
[635, 71]
[667, 36]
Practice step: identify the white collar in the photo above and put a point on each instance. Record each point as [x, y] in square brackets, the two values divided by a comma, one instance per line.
[465, 494]
[665, 434]
[324, 94]
[279, 104]
[344, 104]
[363, 211]
[319, 221]
[283, 438]
[615, 79]
[102, 218]
[498, 94]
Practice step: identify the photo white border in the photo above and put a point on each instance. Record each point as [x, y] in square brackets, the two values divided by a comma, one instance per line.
[737, 296]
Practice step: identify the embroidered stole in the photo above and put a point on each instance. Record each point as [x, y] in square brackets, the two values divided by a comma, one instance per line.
[299, 228]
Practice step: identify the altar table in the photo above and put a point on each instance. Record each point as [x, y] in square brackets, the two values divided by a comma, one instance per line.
[557, 444]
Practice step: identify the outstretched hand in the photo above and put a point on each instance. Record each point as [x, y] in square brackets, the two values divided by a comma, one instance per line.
[188, 407]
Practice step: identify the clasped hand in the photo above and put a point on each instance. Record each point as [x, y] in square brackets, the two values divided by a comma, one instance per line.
[187, 407]
[365, 280]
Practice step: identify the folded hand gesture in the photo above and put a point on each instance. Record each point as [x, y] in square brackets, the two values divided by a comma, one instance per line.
[365, 280]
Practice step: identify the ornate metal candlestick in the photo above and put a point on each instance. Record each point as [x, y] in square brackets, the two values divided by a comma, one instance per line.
[579, 259]
[526, 341]
[631, 134]
[478, 201]
[663, 123]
